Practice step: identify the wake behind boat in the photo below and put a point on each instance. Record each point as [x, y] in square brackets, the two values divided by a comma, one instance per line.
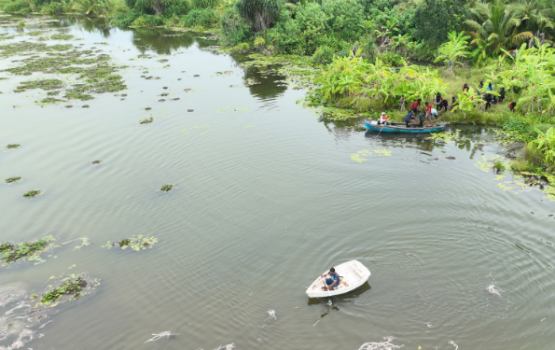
[401, 127]
[353, 275]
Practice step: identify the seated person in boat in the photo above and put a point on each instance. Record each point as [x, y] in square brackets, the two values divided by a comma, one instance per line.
[332, 281]
[384, 119]
[421, 117]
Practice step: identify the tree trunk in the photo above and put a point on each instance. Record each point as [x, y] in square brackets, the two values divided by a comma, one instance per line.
[158, 7]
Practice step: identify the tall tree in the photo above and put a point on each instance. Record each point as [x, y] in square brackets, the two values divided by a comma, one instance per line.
[496, 23]
[260, 13]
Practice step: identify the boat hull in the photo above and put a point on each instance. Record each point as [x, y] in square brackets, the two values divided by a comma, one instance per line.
[401, 128]
[353, 273]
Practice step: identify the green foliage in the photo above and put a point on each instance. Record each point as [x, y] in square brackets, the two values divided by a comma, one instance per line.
[454, 49]
[204, 4]
[344, 17]
[53, 9]
[67, 288]
[125, 19]
[544, 144]
[433, 19]
[234, 29]
[147, 21]
[323, 55]
[205, 18]
[17, 6]
[13, 146]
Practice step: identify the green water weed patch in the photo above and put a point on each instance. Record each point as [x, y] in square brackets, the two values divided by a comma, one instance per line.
[68, 288]
[13, 146]
[32, 194]
[166, 188]
[45, 84]
[136, 243]
[13, 179]
[25, 251]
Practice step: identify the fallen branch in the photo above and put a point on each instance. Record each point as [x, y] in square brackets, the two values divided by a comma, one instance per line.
[166, 334]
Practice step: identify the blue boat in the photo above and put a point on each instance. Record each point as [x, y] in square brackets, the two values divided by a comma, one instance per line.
[401, 127]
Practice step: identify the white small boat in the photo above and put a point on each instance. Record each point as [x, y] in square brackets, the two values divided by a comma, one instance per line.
[353, 275]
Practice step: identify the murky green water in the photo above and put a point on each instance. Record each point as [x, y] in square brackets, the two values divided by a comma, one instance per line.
[266, 196]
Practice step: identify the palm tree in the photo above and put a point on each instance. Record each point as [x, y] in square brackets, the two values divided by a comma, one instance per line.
[496, 23]
[534, 14]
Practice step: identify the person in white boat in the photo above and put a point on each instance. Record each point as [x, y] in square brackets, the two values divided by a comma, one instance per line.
[332, 281]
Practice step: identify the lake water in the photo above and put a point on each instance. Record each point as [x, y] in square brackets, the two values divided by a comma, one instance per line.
[266, 197]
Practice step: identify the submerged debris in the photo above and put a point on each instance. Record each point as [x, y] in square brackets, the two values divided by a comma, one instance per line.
[136, 243]
[385, 345]
[98, 161]
[453, 343]
[272, 314]
[166, 334]
[492, 289]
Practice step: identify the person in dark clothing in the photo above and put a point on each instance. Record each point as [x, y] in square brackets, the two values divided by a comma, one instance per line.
[494, 100]
[421, 117]
[407, 119]
[333, 280]
[481, 85]
[439, 99]
[512, 106]
[443, 104]
[501, 94]
[465, 88]
[488, 101]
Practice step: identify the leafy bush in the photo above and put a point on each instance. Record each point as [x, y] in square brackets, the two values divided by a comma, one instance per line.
[125, 19]
[544, 144]
[234, 29]
[262, 14]
[17, 6]
[178, 8]
[241, 48]
[391, 58]
[324, 55]
[204, 4]
[147, 21]
[344, 17]
[200, 18]
[53, 9]
[259, 43]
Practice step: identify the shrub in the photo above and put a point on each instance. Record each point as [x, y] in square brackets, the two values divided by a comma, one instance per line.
[344, 17]
[233, 28]
[53, 9]
[204, 4]
[200, 18]
[391, 58]
[519, 165]
[178, 8]
[17, 6]
[259, 44]
[147, 21]
[125, 19]
[324, 55]
[241, 48]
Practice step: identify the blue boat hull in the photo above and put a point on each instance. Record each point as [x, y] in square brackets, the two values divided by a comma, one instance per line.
[403, 129]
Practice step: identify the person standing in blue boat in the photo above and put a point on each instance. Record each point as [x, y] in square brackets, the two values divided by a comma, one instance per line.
[407, 118]
[332, 281]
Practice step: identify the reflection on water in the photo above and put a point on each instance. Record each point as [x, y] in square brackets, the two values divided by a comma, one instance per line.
[262, 203]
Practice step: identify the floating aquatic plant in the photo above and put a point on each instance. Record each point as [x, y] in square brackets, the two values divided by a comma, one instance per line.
[361, 156]
[166, 188]
[32, 194]
[67, 288]
[147, 121]
[136, 243]
[13, 146]
[26, 251]
[13, 179]
[98, 161]
[148, 108]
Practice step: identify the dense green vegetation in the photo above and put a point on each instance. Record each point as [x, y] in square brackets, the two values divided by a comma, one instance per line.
[11, 253]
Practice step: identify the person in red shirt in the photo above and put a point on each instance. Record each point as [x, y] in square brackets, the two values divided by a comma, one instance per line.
[415, 105]
[429, 113]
